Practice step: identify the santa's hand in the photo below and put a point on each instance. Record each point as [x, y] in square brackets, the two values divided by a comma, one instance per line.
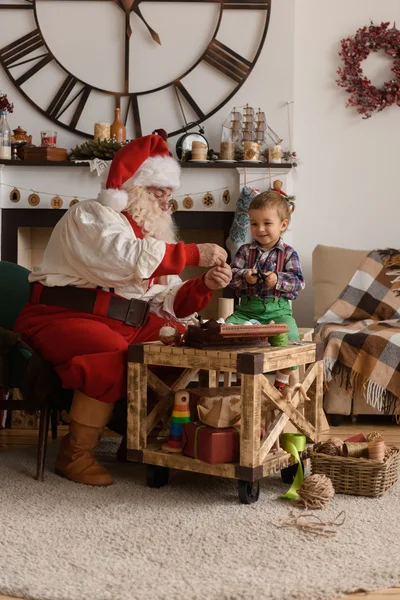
[211, 254]
[218, 277]
[271, 279]
[251, 276]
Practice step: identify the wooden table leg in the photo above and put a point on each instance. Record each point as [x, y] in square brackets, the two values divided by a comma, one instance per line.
[319, 398]
[137, 406]
[251, 420]
[315, 413]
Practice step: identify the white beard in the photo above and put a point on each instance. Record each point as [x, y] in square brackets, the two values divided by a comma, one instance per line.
[145, 211]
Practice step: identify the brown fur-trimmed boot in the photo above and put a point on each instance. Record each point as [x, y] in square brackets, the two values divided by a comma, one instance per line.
[75, 459]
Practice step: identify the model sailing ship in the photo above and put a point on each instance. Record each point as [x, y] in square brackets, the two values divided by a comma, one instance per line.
[249, 132]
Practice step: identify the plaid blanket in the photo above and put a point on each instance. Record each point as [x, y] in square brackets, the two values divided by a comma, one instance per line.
[361, 331]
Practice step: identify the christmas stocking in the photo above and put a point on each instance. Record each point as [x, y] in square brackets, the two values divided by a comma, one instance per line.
[239, 233]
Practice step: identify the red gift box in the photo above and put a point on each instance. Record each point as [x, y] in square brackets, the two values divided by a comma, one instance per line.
[210, 444]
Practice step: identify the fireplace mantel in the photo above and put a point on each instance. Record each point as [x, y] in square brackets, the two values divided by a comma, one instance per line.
[68, 182]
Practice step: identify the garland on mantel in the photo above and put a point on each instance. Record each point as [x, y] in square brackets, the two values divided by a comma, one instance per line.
[187, 205]
[364, 96]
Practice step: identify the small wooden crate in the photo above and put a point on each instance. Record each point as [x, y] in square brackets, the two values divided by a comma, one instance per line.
[258, 457]
[359, 476]
[44, 153]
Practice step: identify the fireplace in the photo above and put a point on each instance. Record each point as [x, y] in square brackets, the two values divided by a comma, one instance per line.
[25, 233]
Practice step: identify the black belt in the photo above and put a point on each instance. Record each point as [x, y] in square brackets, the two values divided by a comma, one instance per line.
[132, 312]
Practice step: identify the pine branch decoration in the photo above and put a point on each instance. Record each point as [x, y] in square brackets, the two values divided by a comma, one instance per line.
[103, 149]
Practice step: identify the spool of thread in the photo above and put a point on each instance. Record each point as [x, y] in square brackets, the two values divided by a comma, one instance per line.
[376, 450]
[227, 151]
[101, 131]
[199, 151]
[279, 340]
[225, 308]
[373, 436]
[355, 449]
[251, 150]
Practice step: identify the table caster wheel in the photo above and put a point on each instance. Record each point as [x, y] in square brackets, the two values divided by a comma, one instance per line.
[249, 492]
[289, 473]
[157, 476]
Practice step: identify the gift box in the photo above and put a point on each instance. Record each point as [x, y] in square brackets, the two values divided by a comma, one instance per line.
[210, 444]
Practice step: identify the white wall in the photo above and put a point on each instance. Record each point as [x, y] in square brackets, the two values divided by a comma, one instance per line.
[346, 186]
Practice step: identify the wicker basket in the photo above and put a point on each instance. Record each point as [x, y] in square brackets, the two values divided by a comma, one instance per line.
[359, 476]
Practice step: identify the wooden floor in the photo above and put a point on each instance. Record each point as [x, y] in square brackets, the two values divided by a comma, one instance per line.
[10, 438]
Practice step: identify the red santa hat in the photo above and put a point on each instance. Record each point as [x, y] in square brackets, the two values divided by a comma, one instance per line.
[145, 162]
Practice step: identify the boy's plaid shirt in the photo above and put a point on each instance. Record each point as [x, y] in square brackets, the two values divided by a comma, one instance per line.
[253, 256]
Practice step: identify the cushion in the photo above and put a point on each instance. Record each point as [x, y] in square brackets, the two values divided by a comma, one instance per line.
[14, 292]
[332, 269]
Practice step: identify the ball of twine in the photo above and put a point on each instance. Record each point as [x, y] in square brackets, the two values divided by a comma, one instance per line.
[337, 441]
[374, 435]
[316, 491]
[329, 447]
[169, 335]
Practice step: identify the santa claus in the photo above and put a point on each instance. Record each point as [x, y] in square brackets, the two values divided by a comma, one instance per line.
[109, 278]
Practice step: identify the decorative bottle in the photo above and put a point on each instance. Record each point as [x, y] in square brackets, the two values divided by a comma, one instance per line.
[5, 137]
[118, 129]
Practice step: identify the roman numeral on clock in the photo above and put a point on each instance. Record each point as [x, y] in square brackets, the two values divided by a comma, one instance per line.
[192, 103]
[20, 51]
[133, 106]
[247, 4]
[227, 61]
[69, 91]
[27, 4]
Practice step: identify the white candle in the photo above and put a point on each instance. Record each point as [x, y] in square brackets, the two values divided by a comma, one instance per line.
[225, 307]
[5, 152]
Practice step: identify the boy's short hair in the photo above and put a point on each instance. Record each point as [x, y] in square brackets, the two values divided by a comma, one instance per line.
[272, 199]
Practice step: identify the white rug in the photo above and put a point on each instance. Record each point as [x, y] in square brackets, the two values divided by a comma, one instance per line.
[191, 540]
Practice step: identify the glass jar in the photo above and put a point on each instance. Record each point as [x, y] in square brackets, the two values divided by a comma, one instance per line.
[5, 137]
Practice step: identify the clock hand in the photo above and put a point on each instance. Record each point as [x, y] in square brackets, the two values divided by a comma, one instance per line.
[128, 33]
[135, 8]
[126, 6]
[133, 5]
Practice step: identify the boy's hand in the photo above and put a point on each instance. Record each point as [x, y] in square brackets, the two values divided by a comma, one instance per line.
[271, 279]
[251, 276]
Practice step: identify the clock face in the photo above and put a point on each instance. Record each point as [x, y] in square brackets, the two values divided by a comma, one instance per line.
[77, 60]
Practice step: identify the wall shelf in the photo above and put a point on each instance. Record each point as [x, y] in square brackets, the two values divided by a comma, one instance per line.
[185, 165]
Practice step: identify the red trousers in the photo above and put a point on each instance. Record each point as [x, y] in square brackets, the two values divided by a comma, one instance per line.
[88, 352]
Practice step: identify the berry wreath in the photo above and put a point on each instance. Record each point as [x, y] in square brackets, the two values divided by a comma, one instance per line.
[364, 96]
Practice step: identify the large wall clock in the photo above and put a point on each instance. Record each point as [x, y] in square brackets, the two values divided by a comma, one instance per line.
[69, 98]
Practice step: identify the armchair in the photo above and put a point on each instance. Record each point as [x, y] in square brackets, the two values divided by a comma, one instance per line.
[23, 368]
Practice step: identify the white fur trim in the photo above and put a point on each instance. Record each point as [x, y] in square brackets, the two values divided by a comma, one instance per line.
[156, 171]
[115, 199]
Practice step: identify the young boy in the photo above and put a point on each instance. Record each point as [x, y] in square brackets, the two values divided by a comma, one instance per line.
[267, 273]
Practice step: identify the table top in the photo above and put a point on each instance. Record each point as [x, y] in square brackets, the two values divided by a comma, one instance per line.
[156, 353]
